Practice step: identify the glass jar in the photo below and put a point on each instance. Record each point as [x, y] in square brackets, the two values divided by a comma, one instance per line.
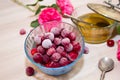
[102, 27]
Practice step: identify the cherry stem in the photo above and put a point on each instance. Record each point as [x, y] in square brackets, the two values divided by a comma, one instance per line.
[21, 4]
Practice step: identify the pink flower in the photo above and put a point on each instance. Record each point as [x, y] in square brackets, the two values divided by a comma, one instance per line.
[118, 56]
[49, 14]
[65, 6]
[118, 51]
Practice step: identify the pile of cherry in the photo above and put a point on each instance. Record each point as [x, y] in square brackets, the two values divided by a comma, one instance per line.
[55, 48]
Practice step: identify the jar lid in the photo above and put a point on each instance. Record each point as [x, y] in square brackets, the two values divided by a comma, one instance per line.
[105, 11]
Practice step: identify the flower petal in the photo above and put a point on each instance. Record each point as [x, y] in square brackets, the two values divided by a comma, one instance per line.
[49, 14]
[65, 6]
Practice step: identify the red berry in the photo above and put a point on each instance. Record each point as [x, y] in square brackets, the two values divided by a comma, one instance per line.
[60, 49]
[55, 64]
[76, 46]
[55, 57]
[57, 41]
[65, 41]
[50, 51]
[72, 55]
[29, 71]
[72, 36]
[55, 31]
[48, 64]
[38, 58]
[110, 43]
[37, 39]
[86, 50]
[22, 31]
[42, 37]
[33, 51]
[52, 64]
[53, 46]
[49, 35]
[41, 50]
[65, 33]
[69, 47]
[46, 59]
[64, 54]
[63, 61]
[47, 43]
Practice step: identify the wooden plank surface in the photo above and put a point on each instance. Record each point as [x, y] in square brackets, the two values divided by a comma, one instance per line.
[12, 56]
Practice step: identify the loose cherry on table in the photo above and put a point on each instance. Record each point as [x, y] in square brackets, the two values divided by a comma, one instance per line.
[30, 71]
[110, 43]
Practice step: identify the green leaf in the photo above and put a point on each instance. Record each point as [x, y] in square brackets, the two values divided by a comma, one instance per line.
[55, 6]
[118, 29]
[39, 9]
[34, 23]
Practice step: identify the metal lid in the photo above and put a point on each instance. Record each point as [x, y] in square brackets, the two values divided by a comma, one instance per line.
[105, 11]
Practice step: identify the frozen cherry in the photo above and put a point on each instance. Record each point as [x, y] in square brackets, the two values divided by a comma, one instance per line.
[110, 43]
[49, 35]
[86, 50]
[64, 54]
[57, 41]
[65, 41]
[42, 37]
[46, 58]
[41, 50]
[55, 64]
[55, 31]
[65, 33]
[22, 31]
[69, 47]
[52, 64]
[76, 46]
[50, 51]
[33, 51]
[48, 64]
[55, 57]
[29, 71]
[46, 43]
[72, 36]
[60, 49]
[38, 58]
[37, 39]
[72, 55]
[63, 61]
[53, 46]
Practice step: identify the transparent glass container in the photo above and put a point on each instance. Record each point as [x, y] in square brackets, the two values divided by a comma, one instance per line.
[29, 44]
[102, 27]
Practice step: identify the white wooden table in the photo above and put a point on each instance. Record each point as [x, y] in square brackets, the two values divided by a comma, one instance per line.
[12, 56]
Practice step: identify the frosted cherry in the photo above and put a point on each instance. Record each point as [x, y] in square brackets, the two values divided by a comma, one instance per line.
[46, 43]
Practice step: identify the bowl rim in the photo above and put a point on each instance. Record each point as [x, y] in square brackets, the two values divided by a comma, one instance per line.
[39, 65]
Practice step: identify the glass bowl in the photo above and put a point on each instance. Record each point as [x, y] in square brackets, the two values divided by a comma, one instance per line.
[102, 27]
[29, 44]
